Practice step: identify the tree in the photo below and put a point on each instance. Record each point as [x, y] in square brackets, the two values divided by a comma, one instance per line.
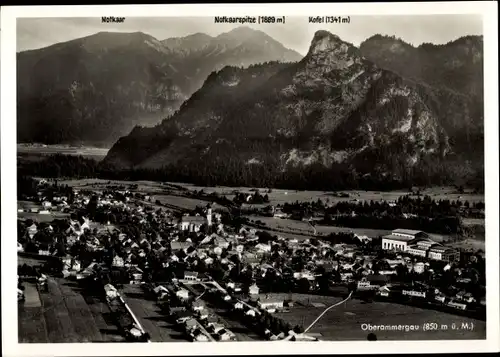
[303, 285]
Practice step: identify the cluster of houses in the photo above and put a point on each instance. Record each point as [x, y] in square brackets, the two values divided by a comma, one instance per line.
[201, 239]
[198, 322]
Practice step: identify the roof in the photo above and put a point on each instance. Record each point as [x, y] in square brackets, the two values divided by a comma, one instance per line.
[193, 219]
[407, 231]
[179, 245]
[439, 249]
[418, 248]
[398, 238]
[183, 313]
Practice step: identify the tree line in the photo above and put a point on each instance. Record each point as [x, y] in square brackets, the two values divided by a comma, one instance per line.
[232, 171]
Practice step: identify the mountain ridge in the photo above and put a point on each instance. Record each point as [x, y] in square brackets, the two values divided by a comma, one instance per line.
[97, 88]
[334, 111]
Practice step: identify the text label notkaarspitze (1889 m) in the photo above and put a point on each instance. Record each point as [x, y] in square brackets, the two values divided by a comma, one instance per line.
[112, 19]
[250, 20]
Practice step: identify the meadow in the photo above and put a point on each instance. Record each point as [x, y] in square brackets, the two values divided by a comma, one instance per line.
[64, 315]
[38, 150]
[345, 322]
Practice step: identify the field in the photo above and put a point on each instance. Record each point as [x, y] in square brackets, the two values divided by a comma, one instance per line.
[27, 205]
[38, 150]
[280, 196]
[300, 227]
[345, 321]
[63, 314]
[150, 316]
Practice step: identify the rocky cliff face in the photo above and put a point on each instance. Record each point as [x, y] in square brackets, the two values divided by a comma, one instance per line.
[96, 89]
[334, 108]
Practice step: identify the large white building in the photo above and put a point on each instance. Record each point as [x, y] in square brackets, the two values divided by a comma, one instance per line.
[400, 239]
[419, 244]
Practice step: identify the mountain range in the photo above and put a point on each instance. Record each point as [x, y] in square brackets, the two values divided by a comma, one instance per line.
[95, 89]
[386, 110]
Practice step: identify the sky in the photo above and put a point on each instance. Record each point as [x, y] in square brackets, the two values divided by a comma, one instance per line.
[296, 33]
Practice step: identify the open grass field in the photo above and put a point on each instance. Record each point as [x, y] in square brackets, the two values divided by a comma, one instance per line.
[345, 322]
[64, 315]
[300, 227]
[469, 244]
[150, 316]
[280, 196]
[37, 217]
[184, 202]
[28, 205]
[38, 150]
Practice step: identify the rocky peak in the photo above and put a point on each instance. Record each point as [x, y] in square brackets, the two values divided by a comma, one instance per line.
[330, 51]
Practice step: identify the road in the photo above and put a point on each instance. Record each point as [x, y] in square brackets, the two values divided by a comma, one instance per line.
[304, 334]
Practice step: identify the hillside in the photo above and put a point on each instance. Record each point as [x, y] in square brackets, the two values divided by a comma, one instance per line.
[457, 65]
[95, 89]
[333, 117]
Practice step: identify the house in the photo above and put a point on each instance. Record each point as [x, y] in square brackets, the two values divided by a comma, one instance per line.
[457, 305]
[235, 287]
[304, 275]
[191, 275]
[182, 316]
[118, 261]
[263, 247]
[190, 324]
[161, 292]
[419, 268]
[465, 297]
[414, 293]
[32, 230]
[253, 289]
[239, 306]
[198, 305]
[250, 312]
[215, 326]
[175, 246]
[225, 335]
[136, 274]
[198, 336]
[384, 291]
[202, 314]
[270, 304]
[191, 223]
[370, 282]
[221, 242]
[182, 294]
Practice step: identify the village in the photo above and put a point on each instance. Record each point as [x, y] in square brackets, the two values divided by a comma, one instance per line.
[204, 275]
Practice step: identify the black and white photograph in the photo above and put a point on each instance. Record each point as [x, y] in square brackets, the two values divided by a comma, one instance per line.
[250, 176]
